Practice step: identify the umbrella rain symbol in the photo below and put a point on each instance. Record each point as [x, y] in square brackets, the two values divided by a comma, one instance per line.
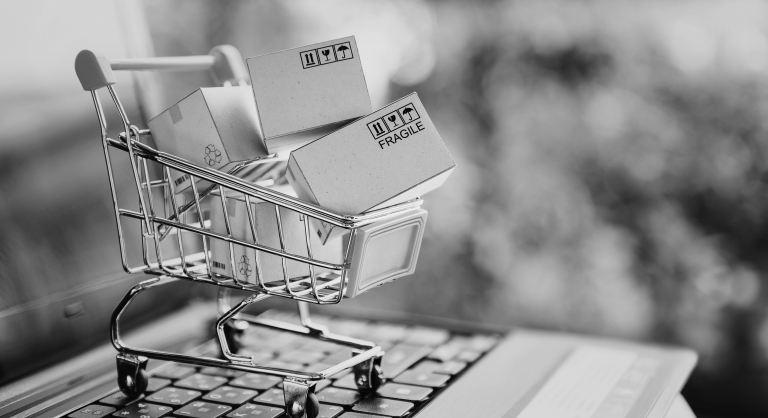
[342, 49]
[407, 111]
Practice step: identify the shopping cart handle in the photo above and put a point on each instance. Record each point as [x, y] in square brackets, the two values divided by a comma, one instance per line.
[93, 70]
[225, 62]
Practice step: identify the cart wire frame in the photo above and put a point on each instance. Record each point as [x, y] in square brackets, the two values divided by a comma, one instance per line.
[226, 66]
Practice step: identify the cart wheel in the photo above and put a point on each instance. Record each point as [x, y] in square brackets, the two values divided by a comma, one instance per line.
[233, 333]
[132, 374]
[369, 376]
[293, 407]
[313, 406]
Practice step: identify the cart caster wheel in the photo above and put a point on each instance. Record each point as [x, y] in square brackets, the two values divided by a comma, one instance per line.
[132, 375]
[294, 395]
[312, 408]
[369, 376]
[233, 333]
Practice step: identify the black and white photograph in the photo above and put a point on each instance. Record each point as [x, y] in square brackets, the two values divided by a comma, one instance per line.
[384, 208]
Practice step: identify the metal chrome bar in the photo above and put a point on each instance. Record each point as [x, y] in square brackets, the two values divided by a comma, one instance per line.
[323, 264]
[175, 207]
[115, 203]
[242, 186]
[189, 63]
[121, 347]
[312, 276]
[256, 297]
[252, 225]
[202, 225]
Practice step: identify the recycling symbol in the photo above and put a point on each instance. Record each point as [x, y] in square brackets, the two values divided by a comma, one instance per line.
[212, 155]
[244, 266]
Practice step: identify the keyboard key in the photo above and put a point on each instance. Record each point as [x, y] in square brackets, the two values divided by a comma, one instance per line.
[116, 399]
[201, 382]
[468, 356]
[414, 377]
[91, 411]
[400, 357]
[218, 371]
[322, 384]
[203, 410]
[173, 396]
[341, 374]
[358, 415]
[449, 367]
[329, 411]
[256, 381]
[445, 352]
[176, 372]
[277, 342]
[317, 367]
[381, 406]
[346, 382]
[319, 346]
[386, 345]
[318, 386]
[230, 395]
[482, 343]
[156, 383]
[143, 410]
[301, 357]
[386, 332]
[338, 396]
[344, 354]
[404, 392]
[258, 356]
[278, 364]
[256, 411]
[426, 336]
[271, 397]
[349, 327]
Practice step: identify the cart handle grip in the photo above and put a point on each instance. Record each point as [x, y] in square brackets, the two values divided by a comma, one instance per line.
[94, 69]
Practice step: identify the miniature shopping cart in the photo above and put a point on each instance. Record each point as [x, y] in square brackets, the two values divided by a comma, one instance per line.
[167, 219]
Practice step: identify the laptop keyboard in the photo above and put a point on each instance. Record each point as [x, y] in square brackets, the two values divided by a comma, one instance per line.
[420, 362]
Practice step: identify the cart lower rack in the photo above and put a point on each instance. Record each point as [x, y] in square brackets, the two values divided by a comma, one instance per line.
[176, 232]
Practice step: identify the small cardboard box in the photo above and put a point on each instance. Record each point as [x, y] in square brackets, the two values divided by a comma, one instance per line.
[382, 252]
[293, 239]
[242, 257]
[250, 263]
[390, 156]
[304, 93]
[213, 127]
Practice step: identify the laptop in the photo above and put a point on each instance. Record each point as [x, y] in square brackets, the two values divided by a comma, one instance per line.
[433, 368]
[55, 360]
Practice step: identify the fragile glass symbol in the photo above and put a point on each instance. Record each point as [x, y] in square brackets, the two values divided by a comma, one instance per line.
[342, 49]
[326, 52]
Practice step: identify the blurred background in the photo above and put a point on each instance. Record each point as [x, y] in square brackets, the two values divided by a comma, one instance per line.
[612, 171]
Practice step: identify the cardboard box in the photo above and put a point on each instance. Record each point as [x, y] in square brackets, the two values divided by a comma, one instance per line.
[213, 127]
[382, 252]
[243, 258]
[250, 263]
[390, 156]
[293, 239]
[304, 93]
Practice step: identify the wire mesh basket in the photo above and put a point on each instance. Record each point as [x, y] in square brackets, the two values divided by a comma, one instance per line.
[178, 234]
